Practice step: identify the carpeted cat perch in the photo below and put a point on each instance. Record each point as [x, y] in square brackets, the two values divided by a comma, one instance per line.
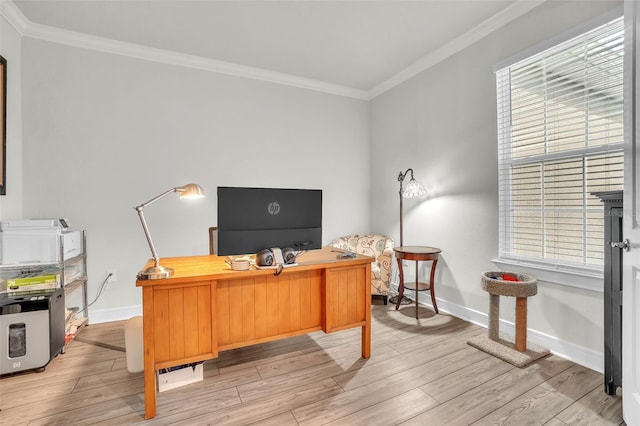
[520, 286]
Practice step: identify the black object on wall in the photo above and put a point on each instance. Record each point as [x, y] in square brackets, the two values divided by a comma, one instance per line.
[613, 247]
[251, 219]
[3, 126]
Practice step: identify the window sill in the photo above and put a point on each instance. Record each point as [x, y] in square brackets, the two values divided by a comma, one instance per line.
[584, 279]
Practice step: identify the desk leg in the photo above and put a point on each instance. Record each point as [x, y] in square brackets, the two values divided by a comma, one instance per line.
[432, 285]
[401, 285]
[366, 328]
[149, 393]
[149, 354]
[366, 341]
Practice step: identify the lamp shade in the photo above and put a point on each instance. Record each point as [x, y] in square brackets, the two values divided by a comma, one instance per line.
[414, 190]
[190, 190]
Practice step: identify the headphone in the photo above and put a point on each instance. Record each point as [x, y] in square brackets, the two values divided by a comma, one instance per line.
[275, 256]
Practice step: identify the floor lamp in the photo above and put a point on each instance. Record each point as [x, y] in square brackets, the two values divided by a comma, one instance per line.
[413, 190]
[157, 271]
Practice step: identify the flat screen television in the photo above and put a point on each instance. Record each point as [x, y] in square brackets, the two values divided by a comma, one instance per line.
[251, 219]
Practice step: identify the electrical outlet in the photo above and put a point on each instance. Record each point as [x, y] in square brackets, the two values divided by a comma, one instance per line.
[114, 275]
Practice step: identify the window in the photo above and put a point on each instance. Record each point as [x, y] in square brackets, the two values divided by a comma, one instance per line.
[560, 136]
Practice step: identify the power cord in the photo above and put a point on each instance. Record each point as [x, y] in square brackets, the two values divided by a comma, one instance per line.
[100, 290]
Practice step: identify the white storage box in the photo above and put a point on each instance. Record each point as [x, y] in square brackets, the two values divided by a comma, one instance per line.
[37, 241]
[179, 376]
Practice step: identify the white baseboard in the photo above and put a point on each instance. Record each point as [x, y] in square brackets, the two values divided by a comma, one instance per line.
[576, 353]
[114, 314]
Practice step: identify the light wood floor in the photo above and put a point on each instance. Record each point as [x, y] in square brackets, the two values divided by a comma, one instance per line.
[421, 372]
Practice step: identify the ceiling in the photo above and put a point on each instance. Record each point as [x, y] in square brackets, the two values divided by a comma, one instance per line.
[366, 46]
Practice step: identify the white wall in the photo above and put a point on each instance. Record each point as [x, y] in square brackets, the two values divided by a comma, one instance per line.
[104, 133]
[442, 123]
[11, 50]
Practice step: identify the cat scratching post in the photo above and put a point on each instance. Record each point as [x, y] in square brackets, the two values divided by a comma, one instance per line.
[515, 351]
[519, 286]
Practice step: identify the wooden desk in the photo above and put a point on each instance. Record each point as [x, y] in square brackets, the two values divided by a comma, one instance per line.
[206, 307]
[417, 253]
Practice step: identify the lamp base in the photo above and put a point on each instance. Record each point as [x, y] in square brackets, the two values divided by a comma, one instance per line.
[405, 300]
[155, 273]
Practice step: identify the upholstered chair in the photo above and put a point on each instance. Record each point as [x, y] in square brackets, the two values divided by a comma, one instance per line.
[378, 247]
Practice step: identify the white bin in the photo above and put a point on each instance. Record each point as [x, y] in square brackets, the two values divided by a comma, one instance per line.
[133, 344]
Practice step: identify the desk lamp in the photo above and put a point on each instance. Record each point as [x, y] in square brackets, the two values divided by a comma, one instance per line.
[413, 190]
[157, 271]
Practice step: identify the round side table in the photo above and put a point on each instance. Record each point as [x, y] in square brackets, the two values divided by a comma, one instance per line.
[417, 253]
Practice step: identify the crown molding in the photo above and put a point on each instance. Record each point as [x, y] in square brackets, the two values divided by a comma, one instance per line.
[29, 29]
[480, 31]
[14, 17]
[147, 53]
[33, 30]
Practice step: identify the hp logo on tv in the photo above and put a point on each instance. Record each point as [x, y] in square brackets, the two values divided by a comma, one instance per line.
[273, 208]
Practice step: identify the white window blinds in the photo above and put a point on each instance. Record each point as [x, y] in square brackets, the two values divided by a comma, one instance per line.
[560, 135]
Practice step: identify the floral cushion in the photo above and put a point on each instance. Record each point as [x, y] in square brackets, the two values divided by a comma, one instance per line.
[376, 246]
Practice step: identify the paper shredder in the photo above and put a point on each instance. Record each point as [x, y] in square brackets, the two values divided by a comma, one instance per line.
[32, 330]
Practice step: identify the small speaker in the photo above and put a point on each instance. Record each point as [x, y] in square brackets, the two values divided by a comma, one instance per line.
[265, 258]
[289, 255]
[275, 256]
